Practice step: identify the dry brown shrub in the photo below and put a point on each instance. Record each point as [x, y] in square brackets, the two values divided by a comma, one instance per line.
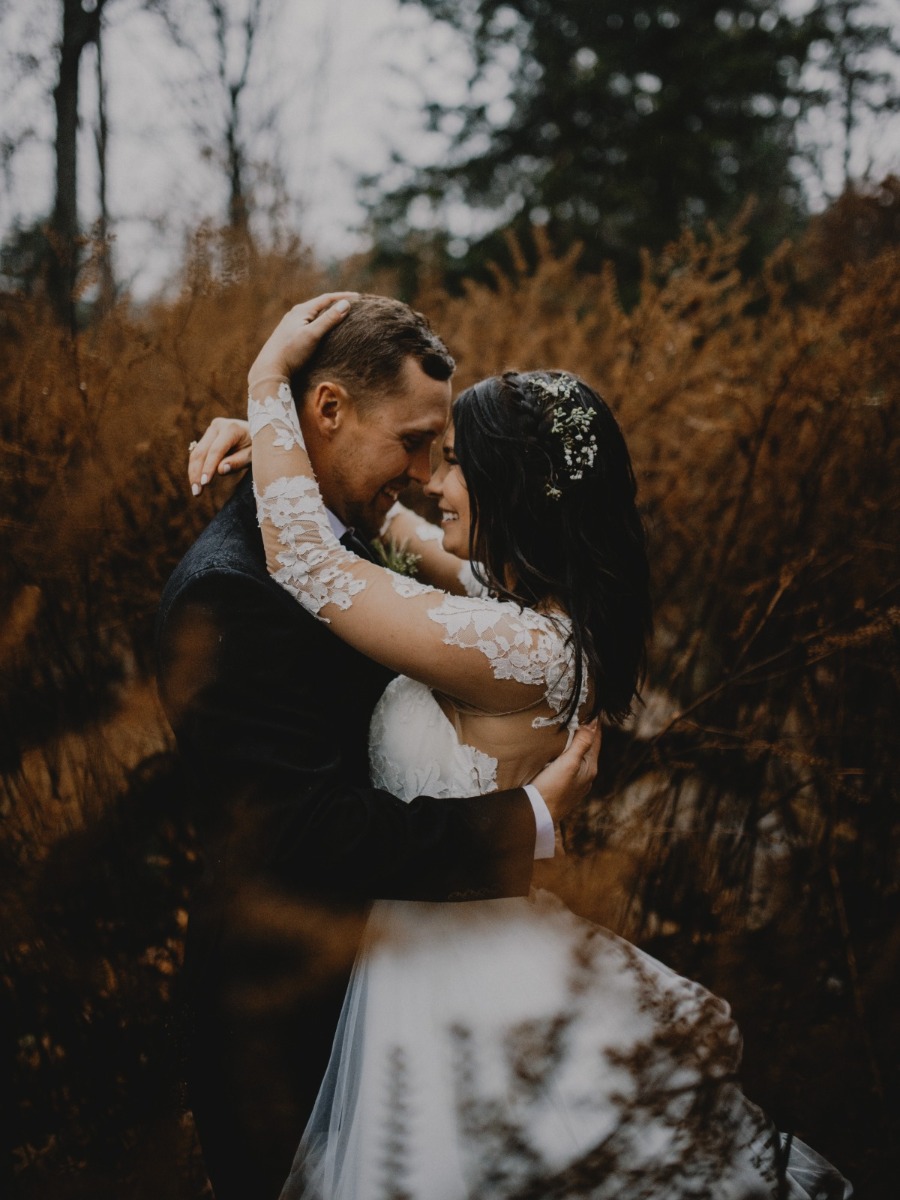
[97, 851]
[763, 432]
[93, 438]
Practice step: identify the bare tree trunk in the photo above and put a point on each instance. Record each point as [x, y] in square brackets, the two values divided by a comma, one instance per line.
[847, 81]
[238, 214]
[849, 126]
[79, 27]
[238, 200]
[236, 32]
[101, 138]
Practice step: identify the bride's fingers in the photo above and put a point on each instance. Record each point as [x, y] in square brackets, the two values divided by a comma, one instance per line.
[317, 306]
[318, 322]
[238, 461]
[225, 444]
[586, 740]
[297, 334]
[329, 316]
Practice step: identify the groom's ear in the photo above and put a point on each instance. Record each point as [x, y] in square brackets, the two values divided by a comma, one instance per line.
[327, 407]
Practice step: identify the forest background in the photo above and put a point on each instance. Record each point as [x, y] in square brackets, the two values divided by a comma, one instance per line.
[679, 202]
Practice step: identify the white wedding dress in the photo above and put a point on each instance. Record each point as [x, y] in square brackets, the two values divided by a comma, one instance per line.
[508, 1048]
[498, 1049]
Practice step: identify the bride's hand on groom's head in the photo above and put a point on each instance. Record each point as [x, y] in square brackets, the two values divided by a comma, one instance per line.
[567, 780]
[298, 333]
[224, 447]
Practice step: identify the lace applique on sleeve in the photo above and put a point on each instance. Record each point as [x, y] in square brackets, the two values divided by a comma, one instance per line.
[313, 564]
[560, 683]
[406, 587]
[523, 645]
[466, 576]
[280, 413]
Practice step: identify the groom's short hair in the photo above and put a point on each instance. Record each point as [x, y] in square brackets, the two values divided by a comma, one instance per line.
[366, 352]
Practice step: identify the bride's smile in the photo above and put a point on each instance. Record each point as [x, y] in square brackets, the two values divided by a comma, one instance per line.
[448, 487]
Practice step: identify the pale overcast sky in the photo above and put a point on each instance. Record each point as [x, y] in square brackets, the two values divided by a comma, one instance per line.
[348, 77]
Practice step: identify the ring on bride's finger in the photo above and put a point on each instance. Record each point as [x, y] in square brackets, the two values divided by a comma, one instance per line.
[192, 446]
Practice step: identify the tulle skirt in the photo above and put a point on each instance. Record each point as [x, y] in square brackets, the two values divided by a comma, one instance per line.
[508, 1048]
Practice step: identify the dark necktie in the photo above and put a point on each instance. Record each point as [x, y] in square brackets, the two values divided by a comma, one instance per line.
[356, 545]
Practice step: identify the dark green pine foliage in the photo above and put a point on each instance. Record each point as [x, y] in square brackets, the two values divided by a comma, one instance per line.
[627, 121]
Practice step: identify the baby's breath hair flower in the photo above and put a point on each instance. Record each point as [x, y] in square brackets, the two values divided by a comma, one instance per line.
[571, 426]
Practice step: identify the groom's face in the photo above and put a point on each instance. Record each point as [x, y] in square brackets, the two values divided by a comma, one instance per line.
[382, 446]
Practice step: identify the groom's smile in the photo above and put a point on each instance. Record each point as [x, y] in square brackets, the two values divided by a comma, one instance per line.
[378, 447]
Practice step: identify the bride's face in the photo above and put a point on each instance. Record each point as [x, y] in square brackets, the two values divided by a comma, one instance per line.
[449, 489]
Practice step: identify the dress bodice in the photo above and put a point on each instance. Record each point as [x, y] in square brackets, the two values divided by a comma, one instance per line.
[414, 749]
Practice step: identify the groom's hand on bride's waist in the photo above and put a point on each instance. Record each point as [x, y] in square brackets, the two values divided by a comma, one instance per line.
[566, 780]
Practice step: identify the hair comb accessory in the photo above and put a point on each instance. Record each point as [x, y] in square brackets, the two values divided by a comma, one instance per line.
[571, 425]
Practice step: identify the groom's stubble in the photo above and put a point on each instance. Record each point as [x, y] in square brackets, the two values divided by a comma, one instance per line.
[365, 453]
[391, 374]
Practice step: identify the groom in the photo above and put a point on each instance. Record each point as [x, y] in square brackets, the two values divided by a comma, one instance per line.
[271, 714]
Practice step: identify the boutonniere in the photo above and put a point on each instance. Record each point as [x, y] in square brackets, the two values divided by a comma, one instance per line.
[397, 558]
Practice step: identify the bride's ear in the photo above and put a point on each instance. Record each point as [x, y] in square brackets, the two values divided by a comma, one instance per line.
[326, 408]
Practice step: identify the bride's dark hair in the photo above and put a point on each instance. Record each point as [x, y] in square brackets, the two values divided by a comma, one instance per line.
[554, 518]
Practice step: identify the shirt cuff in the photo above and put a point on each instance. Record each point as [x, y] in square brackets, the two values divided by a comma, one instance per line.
[545, 833]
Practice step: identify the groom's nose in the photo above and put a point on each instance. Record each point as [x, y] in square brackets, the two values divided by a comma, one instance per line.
[420, 465]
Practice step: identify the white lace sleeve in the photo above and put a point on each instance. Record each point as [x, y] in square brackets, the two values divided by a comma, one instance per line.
[471, 586]
[409, 532]
[302, 553]
[478, 650]
[524, 645]
[429, 533]
[279, 413]
[311, 561]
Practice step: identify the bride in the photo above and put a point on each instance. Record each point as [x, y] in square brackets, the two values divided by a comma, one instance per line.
[505, 1048]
